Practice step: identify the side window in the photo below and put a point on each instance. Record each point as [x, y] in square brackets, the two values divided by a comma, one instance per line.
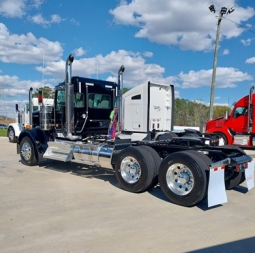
[27, 107]
[78, 100]
[239, 111]
[100, 101]
[60, 101]
[136, 97]
[116, 102]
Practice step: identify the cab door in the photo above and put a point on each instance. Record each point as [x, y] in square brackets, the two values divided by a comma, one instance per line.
[80, 114]
[238, 122]
[60, 109]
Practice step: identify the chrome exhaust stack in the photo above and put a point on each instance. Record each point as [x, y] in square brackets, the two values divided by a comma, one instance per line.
[250, 110]
[69, 91]
[30, 100]
[120, 92]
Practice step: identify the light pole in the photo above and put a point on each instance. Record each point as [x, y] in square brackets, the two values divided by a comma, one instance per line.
[222, 12]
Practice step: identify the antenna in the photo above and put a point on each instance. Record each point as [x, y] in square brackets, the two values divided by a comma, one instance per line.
[97, 69]
[43, 69]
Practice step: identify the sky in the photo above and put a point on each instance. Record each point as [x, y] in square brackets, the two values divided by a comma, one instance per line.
[165, 41]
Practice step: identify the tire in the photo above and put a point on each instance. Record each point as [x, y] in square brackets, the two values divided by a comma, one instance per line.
[234, 179]
[157, 162]
[27, 152]
[11, 135]
[183, 179]
[223, 137]
[242, 179]
[135, 169]
[207, 161]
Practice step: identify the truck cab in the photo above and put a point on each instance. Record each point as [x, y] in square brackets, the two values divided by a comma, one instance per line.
[93, 101]
[23, 117]
[90, 103]
[237, 128]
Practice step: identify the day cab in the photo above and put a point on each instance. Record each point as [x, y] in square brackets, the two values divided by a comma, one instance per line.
[237, 128]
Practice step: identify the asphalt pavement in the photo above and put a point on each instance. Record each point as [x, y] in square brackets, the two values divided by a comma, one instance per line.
[61, 207]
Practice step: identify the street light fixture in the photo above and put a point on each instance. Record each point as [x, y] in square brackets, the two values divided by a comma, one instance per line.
[223, 11]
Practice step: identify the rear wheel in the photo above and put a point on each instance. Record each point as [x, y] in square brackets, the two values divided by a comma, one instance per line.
[135, 169]
[11, 135]
[157, 162]
[183, 179]
[233, 179]
[27, 152]
[207, 161]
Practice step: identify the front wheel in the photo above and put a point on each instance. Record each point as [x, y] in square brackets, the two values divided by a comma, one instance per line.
[222, 139]
[182, 178]
[11, 135]
[27, 152]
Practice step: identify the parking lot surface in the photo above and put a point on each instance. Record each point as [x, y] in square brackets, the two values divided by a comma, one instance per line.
[61, 207]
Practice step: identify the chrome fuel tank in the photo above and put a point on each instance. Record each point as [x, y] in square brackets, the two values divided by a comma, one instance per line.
[98, 154]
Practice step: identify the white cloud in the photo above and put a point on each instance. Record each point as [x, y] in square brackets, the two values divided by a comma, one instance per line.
[13, 86]
[37, 3]
[176, 94]
[12, 8]
[74, 21]
[147, 54]
[250, 60]
[26, 48]
[225, 52]
[79, 52]
[225, 78]
[137, 71]
[40, 20]
[172, 22]
[18, 8]
[14, 90]
[247, 42]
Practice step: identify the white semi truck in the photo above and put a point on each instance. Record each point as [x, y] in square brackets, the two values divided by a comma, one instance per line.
[143, 151]
[23, 118]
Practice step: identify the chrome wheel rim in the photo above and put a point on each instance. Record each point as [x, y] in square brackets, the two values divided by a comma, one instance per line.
[180, 179]
[11, 135]
[130, 170]
[26, 151]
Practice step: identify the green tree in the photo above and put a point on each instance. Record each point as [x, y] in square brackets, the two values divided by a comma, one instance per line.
[125, 90]
[219, 111]
[190, 113]
[47, 92]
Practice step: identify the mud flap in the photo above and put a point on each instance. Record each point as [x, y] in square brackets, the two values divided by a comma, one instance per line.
[216, 187]
[249, 175]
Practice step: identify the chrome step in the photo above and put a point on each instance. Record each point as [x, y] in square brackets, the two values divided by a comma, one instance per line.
[59, 151]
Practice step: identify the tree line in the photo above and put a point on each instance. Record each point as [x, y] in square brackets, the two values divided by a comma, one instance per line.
[193, 113]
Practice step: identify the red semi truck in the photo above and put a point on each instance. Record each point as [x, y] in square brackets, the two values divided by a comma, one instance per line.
[236, 128]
